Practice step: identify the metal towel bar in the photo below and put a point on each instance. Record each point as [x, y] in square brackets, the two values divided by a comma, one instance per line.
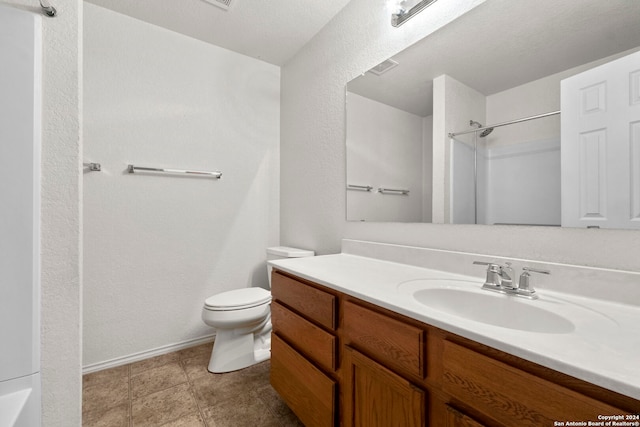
[393, 191]
[214, 174]
[359, 187]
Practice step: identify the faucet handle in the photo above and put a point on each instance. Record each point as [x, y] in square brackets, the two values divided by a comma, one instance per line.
[492, 267]
[536, 270]
[524, 284]
[493, 279]
[499, 275]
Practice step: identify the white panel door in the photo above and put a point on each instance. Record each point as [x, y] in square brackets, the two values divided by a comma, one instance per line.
[601, 146]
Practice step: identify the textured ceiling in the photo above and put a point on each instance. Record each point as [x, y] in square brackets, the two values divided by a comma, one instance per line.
[504, 43]
[272, 31]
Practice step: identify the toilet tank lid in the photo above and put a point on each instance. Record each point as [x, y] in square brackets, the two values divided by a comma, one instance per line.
[288, 252]
[238, 298]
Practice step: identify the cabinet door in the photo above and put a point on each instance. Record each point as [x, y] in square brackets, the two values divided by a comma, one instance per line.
[456, 418]
[375, 396]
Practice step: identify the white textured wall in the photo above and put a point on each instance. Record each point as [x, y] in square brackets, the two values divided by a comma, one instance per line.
[313, 113]
[61, 219]
[455, 104]
[313, 154]
[157, 245]
[427, 168]
[523, 183]
[384, 149]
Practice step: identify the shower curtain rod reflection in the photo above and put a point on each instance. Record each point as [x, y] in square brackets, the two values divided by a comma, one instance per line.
[480, 129]
[47, 9]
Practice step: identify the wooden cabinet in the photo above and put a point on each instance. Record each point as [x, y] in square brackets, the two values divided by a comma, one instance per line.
[308, 391]
[318, 345]
[337, 360]
[304, 350]
[395, 343]
[455, 418]
[375, 396]
[510, 395]
[317, 305]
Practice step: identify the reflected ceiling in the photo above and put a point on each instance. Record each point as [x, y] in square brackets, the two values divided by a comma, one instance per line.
[504, 43]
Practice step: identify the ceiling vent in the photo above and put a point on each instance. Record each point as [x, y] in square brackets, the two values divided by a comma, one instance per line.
[223, 4]
[383, 67]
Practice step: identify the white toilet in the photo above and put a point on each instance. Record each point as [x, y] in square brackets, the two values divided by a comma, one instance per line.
[242, 319]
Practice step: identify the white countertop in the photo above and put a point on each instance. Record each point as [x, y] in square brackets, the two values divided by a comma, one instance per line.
[605, 353]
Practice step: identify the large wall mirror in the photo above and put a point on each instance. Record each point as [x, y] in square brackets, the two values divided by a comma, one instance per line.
[518, 112]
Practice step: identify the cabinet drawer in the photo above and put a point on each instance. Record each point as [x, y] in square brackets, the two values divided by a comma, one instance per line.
[316, 305]
[309, 393]
[392, 342]
[314, 342]
[511, 396]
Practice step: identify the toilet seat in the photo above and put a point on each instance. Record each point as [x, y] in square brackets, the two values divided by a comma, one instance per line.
[238, 299]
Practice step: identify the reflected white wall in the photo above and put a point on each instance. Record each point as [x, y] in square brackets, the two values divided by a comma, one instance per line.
[20, 133]
[384, 149]
[463, 181]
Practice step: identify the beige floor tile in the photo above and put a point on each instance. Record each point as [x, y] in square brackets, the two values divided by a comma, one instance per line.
[244, 411]
[114, 417]
[256, 375]
[215, 388]
[176, 390]
[162, 407]
[193, 420]
[196, 351]
[153, 362]
[105, 376]
[100, 397]
[275, 404]
[196, 367]
[156, 379]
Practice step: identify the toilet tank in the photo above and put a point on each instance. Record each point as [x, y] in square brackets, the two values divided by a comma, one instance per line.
[281, 252]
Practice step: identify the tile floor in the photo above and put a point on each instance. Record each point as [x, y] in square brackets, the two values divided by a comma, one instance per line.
[176, 390]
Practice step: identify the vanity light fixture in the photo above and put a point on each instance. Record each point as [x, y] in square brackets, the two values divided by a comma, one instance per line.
[401, 15]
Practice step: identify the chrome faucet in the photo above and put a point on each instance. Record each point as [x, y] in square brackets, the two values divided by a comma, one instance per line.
[498, 276]
[500, 279]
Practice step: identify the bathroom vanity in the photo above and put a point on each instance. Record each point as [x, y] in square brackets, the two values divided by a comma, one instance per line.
[341, 358]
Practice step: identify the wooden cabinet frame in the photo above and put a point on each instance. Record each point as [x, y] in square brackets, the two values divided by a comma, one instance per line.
[411, 371]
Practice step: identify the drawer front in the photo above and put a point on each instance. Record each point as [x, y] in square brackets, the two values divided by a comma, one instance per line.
[392, 342]
[511, 396]
[309, 393]
[316, 305]
[314, 342]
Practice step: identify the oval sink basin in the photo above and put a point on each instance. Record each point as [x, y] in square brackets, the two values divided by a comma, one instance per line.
[466, 299]
[494, 309]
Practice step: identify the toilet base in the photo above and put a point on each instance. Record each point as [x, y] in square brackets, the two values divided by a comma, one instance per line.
[233, 351]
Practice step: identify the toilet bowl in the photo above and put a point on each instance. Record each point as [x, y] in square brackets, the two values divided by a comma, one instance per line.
[242, 319]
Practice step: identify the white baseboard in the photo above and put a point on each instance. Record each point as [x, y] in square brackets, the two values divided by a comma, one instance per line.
[119, 361]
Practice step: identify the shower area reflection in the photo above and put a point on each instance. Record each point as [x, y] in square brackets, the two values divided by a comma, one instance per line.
[507, 176]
